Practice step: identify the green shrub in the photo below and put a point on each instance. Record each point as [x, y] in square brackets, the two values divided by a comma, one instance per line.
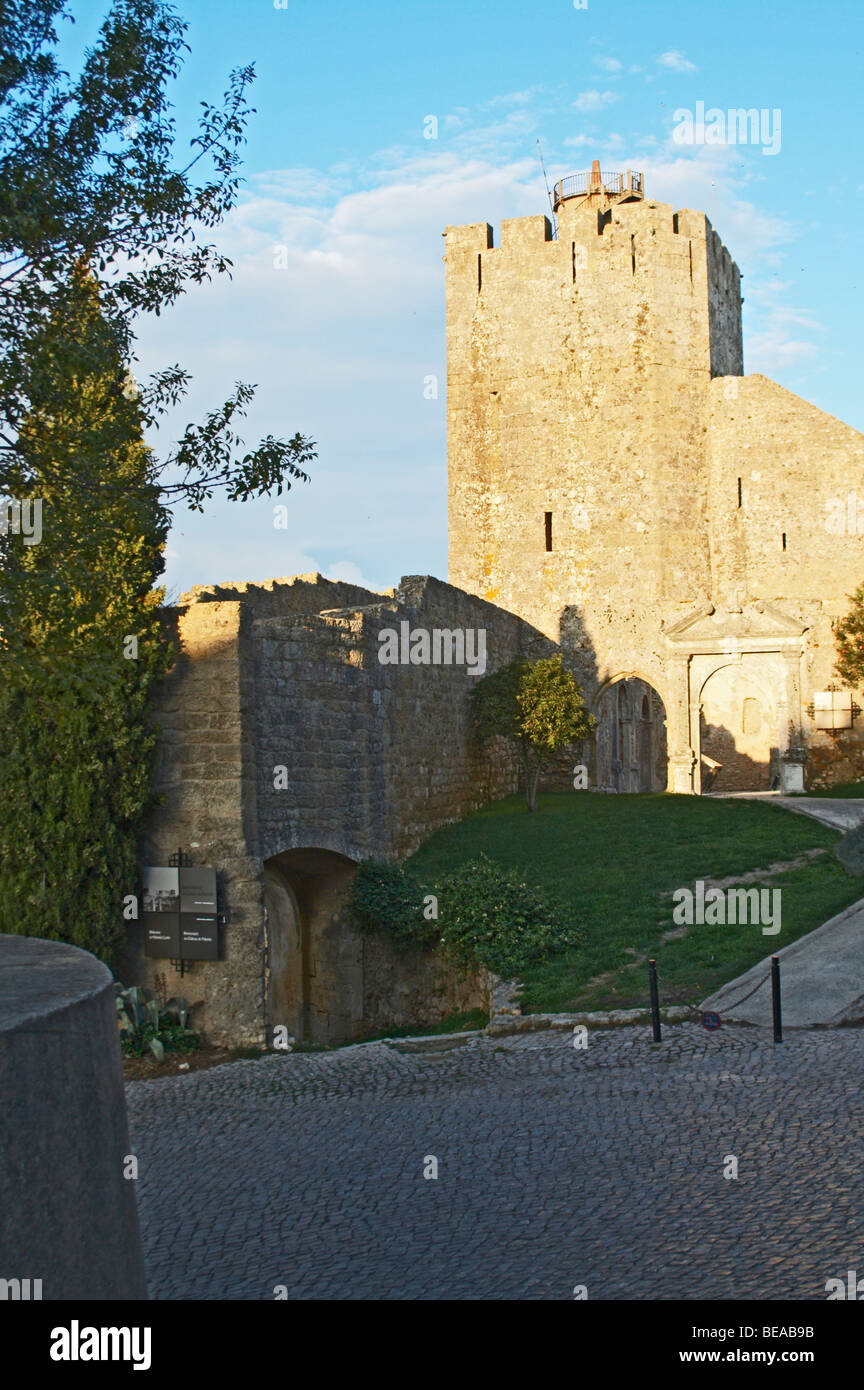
[850, 850]
[384, 898]
[145, 1027]
[486, 914]
[489, 915]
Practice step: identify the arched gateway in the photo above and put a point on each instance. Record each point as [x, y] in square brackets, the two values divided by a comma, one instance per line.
[314, 961]
[631, 737]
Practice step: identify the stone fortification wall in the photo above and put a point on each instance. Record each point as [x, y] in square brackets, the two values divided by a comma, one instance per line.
[616, 481]
[778, 467]
[282, 731]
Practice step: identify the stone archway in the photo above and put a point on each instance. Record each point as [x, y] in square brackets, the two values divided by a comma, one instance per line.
[324, 981]
[631, 737]
[749, 720]
[314, 958]
[738, 744]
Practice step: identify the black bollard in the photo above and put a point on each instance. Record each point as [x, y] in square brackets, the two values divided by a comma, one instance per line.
[775, 999]
[655, 1000]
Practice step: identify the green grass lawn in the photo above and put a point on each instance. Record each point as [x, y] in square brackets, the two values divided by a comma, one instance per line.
[614, 861]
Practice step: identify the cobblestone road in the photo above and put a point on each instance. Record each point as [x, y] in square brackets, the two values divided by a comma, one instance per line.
[556, 1167]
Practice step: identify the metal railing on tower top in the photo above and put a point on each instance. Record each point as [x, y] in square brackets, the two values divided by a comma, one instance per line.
[579, 185]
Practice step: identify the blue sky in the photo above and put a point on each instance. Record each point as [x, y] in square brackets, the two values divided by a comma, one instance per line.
[336, 306]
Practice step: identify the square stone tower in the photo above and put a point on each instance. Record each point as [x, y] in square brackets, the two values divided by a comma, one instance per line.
[689, 535]
[577, 403]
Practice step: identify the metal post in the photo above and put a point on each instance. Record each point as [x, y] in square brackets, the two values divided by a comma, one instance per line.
[182, 970]
[775, 999]
[655, 1000]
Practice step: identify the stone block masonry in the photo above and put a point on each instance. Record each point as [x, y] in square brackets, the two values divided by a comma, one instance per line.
[618, 490]
[617, 481]
[288, 753]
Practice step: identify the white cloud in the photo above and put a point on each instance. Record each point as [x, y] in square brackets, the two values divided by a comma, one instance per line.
[676, 61]
[513, 98]
[773, 351]
[777, 341]
[342, 340]
[346, 572]
[608, 64]
[594, 101]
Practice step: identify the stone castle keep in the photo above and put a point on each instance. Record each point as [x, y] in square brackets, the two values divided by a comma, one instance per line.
[617, 481]
[618, 490]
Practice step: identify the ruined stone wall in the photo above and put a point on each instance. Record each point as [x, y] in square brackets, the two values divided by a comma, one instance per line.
[281, 730]
[577, 375]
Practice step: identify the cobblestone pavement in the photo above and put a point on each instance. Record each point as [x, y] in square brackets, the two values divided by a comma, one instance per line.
[556, 1167]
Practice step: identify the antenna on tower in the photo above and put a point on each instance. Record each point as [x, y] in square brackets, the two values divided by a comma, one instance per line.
[548, 189]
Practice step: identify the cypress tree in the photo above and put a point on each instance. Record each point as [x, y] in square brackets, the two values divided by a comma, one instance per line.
[80, 637]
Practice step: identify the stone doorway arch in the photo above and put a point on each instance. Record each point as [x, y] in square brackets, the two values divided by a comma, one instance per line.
[314, 959]
[631, 736]
[738, 736]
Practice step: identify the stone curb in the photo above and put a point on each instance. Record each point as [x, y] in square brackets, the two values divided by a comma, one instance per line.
[502, 1024]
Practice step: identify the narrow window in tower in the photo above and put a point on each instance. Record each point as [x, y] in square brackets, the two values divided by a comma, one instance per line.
[548, 530]
[574, 262]
[479, 272]
[784, 540]
[633, 253]
[690, 253]
[739, 492]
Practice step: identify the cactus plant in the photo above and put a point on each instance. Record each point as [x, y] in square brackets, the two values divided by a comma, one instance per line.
[144, 1025]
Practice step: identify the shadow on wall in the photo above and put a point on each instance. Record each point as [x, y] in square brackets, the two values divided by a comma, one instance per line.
[581, 658]
[727, 767]
[314, 960]
[628, 752]
[738, 744]
[326, 982]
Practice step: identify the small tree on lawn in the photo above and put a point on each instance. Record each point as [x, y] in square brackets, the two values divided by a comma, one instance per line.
[536, 705]
[849, 635]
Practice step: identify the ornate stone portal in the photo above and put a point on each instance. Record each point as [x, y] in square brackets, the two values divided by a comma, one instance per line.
[735, 720]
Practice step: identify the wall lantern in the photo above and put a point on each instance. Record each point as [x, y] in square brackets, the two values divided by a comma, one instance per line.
[832, 710]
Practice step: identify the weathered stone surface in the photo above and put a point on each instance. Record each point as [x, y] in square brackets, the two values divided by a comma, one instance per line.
[277, 677]
[618, 482]
[69, 1217]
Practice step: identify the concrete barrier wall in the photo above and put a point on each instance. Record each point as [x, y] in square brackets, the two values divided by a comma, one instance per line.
[68, 1217]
